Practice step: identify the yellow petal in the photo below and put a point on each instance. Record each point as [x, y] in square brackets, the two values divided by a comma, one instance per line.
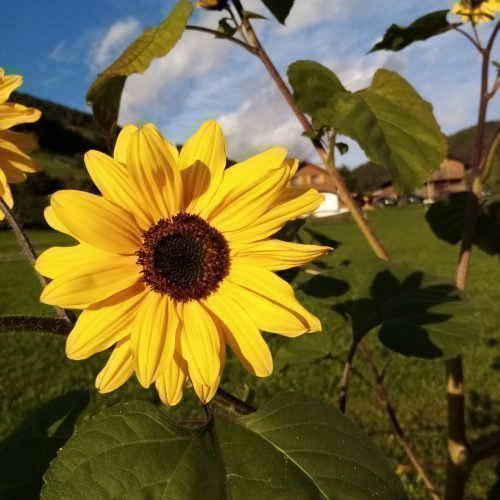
[117, 370]
[111, 178]
[270, 301]
[5, 193]
[260, 177]
[122, 141]
[276, 255]
[3, 182]
[206, 392]
[170, 383]
[13, 114]
[96, 221]
[291, 203]
[200, 343]
[241, 334]
[202, 161]
[54, 222]
[96, 281]
[25, 142]
[13, 175]
[153, 337]
[98, 329]
[153, 173]
[12, 155]
[8, 84]
[57, 261]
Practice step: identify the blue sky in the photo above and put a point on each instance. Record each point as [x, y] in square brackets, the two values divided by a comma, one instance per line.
[60, 45]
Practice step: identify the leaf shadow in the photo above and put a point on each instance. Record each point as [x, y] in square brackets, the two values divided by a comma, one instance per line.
[26, 453]
[403, 311]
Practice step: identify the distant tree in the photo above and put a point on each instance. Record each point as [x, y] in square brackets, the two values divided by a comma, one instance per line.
[350, 179]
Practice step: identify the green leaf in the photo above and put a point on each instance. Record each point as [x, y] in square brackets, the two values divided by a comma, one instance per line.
[399, 37]
[26, 453]
[446, 218]
[304, 349]
[293, 447]
[279, 8]
[253, 15]
[415, 314]
[134, 451]
[393, 125]
[313, 85]
[390, 121]
[105, 93]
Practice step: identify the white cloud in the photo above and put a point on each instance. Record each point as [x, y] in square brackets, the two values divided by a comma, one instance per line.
[114, 40]
[263, 121]
[60, 52]
[165, 86]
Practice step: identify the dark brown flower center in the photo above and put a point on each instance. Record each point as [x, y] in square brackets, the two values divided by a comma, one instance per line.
[184, 257]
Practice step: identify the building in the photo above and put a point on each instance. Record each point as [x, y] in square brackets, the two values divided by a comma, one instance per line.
[310, 175]
[450, 178]
[313, 176]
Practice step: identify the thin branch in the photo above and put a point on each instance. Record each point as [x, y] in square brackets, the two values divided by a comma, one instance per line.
[41, 324]
[486, 447]
[344, 382]
[476, 35]
[494, 88]
[466, 35]
[345, 195]
[29, 251]
[232, 402]
[384, 401]
[491, 150]
[219, 34]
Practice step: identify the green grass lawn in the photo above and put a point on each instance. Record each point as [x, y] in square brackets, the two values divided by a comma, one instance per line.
[33, 368]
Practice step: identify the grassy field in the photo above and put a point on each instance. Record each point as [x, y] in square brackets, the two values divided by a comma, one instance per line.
[34, 370]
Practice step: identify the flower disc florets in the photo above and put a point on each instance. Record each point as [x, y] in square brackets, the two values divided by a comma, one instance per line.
[184, 257]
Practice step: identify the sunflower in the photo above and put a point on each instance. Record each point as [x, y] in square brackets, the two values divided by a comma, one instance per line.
[175, 260]
[14, 146]
[476, 11]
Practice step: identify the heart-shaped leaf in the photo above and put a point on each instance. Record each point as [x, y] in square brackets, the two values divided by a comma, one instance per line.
[295, 446]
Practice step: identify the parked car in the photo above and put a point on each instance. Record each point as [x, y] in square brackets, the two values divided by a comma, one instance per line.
[410, 199]
[385, 201]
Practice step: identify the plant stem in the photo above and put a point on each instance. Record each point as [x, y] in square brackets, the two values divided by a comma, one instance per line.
[345, 195]
[344, 382]
[28, 250]
[219, 34]
[383, 399]
[458, 446]
[233, 403]
[466, 35]
[42, 324]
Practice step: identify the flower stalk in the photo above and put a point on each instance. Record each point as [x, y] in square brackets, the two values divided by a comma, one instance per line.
[29, 253]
